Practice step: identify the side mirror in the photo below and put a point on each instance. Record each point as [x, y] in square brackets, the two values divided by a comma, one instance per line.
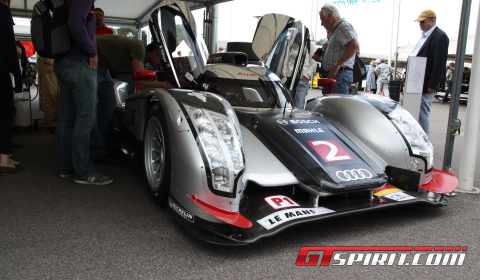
[327, 82]
[143, 75]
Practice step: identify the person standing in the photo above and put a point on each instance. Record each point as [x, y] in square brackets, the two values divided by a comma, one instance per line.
[466, 75]
[77, 74]
[449, 82]
[339, 57]
[383, 72]
[50, 90]
[434, 46]
[100, 28]
[8, 64]
[370, 84]
[309, 65]
[124, 55]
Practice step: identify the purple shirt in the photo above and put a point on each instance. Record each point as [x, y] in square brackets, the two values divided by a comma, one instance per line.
[83, 32]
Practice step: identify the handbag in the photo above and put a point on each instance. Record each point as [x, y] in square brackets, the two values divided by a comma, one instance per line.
[359, 72]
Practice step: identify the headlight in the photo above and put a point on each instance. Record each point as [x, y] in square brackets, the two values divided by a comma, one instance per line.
[221, 144]
[416, 138]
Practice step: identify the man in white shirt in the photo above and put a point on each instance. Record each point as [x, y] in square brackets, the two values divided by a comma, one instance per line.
[434, 46]
[307, 71]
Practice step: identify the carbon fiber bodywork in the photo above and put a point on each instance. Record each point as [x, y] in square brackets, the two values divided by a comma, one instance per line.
[296, 166]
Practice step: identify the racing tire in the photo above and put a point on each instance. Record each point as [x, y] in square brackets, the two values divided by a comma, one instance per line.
[245, 47]
[156, 153]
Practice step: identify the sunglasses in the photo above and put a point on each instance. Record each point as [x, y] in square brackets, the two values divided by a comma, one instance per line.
[327, 10]
[423, 21]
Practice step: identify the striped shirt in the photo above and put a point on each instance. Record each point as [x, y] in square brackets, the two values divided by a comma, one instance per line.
[342, 33]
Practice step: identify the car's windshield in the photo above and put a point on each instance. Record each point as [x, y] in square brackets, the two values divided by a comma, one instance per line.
[256, 93]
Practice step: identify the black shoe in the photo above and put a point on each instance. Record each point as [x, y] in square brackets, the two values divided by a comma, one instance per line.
[10, 170]
[52, 129]
[108, 160]
[95, 179]
[15, 145]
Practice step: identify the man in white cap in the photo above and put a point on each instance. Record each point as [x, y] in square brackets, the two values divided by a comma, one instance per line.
[434, 46]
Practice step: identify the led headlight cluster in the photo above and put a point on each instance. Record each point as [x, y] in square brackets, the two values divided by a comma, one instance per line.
[416, 138]
[221, 145]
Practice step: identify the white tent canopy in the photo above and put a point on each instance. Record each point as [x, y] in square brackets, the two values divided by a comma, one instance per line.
[133, 14]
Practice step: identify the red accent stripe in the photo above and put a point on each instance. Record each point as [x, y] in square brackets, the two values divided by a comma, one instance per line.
[449, 249]
[423, 248]
[464, 249]
[439, 248]
[458, 248]
[233, 218]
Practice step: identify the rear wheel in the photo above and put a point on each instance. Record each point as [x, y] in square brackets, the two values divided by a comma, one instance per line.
[157, 156]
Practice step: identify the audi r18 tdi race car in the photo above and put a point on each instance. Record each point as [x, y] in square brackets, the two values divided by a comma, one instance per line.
[235, 161]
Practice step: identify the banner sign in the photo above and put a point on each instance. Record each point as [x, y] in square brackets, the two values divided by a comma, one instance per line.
[350, 3]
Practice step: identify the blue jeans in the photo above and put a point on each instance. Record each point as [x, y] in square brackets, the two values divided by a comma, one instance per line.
[344, 80]
[105, 108]
[300, 94]
[424, 117]
[78, 84]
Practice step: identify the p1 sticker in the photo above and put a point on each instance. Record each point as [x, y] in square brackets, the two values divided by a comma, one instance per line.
[280, 201]
[330, 150]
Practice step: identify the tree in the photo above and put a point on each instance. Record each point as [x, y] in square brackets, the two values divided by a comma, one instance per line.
[130, 32]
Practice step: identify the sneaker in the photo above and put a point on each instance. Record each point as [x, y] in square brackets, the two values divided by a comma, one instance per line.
[65, 175]
[10, 170]
[95, 179]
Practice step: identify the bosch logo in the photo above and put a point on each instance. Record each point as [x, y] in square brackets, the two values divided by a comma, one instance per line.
[282, 122]
[353, 175]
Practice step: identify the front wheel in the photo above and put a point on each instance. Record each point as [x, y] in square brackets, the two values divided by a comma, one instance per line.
[157, 156]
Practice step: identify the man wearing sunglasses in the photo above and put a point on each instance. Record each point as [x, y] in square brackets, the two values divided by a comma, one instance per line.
[434, 46]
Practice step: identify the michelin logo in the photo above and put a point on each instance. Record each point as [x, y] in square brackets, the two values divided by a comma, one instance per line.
[304, 121]
[309, 130]
[180, 211]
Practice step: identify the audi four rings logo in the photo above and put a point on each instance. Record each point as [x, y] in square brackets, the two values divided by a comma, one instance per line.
[353, 175]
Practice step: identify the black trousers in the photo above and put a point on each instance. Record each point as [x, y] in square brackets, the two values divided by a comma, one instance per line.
[449, 90]
[6, 112]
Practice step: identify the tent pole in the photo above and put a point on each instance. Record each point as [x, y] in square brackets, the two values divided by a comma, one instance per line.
[396, 42]
[457, 84]
[472, 127]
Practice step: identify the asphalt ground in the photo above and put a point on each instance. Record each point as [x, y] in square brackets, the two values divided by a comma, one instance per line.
[51, 228]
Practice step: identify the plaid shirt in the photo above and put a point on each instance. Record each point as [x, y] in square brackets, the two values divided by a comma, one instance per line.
[342, 33]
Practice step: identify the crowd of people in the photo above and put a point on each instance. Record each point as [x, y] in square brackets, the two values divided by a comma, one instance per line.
[338, 58]
[78, 91]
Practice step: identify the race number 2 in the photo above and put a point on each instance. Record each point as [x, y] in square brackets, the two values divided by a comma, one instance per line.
[330, 150]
